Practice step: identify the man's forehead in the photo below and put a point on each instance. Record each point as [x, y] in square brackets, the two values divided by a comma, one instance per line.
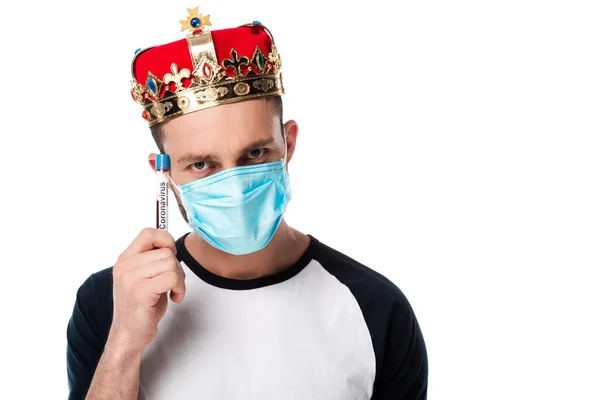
[224, 128]
[220, 144]
[251, 113]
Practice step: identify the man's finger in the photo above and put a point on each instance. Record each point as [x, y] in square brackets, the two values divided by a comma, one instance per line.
[147, 240]
[160, 266]
[170, 280]
[140, 261]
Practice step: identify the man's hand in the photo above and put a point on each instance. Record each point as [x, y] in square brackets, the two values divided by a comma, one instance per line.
[143, 275]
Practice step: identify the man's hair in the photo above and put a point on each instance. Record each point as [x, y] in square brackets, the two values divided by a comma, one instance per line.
[276, 103]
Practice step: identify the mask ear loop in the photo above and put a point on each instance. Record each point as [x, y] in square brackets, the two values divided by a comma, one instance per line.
[284, 147]
[285, 170]
[181, 198]
[175, 186]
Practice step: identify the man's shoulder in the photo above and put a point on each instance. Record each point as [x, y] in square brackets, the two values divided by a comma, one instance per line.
[363, 282]
[103, 277]
[95, 298]
[98, 283]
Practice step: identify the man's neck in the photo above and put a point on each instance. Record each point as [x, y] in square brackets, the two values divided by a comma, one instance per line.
[283, 250]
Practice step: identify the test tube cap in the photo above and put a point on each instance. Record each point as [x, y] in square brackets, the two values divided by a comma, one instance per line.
[163, 162]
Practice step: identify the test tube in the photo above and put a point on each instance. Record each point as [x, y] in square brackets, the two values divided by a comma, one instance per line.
[163, 165]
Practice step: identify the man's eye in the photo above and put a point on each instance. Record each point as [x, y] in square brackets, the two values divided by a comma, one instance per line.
[199, 166]
[257, 153]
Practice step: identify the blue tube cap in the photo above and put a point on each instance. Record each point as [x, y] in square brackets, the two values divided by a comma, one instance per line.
[163, 162]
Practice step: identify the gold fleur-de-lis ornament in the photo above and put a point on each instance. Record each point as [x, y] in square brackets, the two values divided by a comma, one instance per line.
[177, 76]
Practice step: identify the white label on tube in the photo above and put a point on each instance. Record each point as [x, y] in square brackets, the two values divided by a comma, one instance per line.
[162, 200]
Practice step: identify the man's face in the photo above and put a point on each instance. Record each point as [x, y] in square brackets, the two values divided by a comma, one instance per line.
[205, 142]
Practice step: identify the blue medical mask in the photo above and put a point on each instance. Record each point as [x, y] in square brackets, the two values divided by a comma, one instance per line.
[238, 210]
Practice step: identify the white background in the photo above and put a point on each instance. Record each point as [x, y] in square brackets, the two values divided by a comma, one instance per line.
[452, 146]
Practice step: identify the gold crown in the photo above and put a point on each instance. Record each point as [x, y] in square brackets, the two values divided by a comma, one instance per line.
[210, 82]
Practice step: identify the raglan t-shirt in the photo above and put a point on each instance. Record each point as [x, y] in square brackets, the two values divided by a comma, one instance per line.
[326, 328]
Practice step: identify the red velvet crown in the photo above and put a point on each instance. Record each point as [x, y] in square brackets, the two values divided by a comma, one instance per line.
[205, 69]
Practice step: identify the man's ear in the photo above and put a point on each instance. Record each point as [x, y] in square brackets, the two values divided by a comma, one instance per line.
[291, 133]
[152, 161]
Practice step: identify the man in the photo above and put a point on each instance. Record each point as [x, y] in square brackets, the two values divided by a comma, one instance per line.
[262, 311]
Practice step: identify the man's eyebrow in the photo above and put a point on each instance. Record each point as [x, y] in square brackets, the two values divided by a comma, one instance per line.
[256, 145]
[189, 158]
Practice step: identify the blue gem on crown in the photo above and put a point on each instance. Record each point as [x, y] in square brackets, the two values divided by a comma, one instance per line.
[151, 85]
[195, 22]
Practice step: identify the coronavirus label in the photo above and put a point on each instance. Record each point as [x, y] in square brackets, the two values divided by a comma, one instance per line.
[162, 201]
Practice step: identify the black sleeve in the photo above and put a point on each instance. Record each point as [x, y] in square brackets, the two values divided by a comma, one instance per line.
[87, 331]
[403, 372]
[400, 353]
